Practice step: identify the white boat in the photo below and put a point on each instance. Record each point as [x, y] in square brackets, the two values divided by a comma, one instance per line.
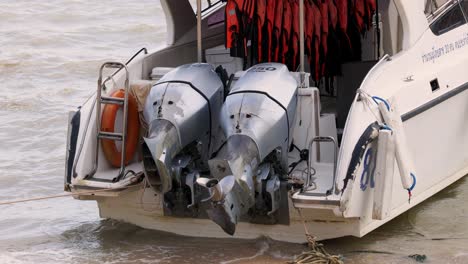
[258, 156]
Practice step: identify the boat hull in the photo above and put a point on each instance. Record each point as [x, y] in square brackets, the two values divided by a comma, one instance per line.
[140, 208]
[320, 222]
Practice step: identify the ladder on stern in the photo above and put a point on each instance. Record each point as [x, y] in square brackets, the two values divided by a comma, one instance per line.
[116, 136]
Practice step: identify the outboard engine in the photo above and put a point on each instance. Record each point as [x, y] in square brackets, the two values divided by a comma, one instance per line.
[256, 119]
[182, 111]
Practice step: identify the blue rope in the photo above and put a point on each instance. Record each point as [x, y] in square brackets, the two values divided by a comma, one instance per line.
[376, 99]
[385, 127]
[414, 182]
[366, 173]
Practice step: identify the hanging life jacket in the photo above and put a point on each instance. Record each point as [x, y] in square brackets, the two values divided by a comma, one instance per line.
[324, 40]
[269, 24]
[261, 16]
[248, 13]
[315, 65]
[359, 13]
[295, 34]
[234, 35]
[332, 14]
[333, 60]
[371, 7]
[277, 28]
[286, 32]
[309, 29]
[249, 10]
[342, 8]
[324, 14]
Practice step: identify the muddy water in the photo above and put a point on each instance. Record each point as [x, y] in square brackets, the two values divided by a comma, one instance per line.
[50, 52]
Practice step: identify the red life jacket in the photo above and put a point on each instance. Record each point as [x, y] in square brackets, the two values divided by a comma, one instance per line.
[261, 15]
[330, 64]
[240, 3]
[277, 28]
[324, 12]
[286, 32]
[295, 34]
[332, 14]
[316, 41]
[250, 9]
[371, 7]
[360, 12]
[342, 7]
[246, 14]
[233, 26]
[309, 29]
[270, 20]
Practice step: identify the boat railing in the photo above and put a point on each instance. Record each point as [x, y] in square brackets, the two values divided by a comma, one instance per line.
[103, 86]
[307, 190]
[110, 77]
[115, 101]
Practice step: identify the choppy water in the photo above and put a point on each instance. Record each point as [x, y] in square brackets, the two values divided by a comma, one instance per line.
[50, 52]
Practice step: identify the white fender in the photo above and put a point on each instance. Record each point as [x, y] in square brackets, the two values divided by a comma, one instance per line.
[384, 175]
[403, 157]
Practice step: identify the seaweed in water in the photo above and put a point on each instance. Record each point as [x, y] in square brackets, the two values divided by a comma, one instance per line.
[419, 258]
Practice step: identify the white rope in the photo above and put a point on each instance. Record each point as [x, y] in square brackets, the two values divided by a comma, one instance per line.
[144, 186]
[367, 98]
[93, 192]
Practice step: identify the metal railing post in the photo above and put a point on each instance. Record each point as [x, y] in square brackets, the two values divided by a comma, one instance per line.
[199, 32]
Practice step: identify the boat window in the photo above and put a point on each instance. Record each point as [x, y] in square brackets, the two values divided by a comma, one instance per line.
[451, 19]
[464, 6]
[207, 5]
[433, 6]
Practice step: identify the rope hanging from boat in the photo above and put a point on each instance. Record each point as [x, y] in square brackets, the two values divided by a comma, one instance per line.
[93, 192]
[317, 253]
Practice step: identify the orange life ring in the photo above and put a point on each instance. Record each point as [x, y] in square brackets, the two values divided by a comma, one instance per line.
[112, 154]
